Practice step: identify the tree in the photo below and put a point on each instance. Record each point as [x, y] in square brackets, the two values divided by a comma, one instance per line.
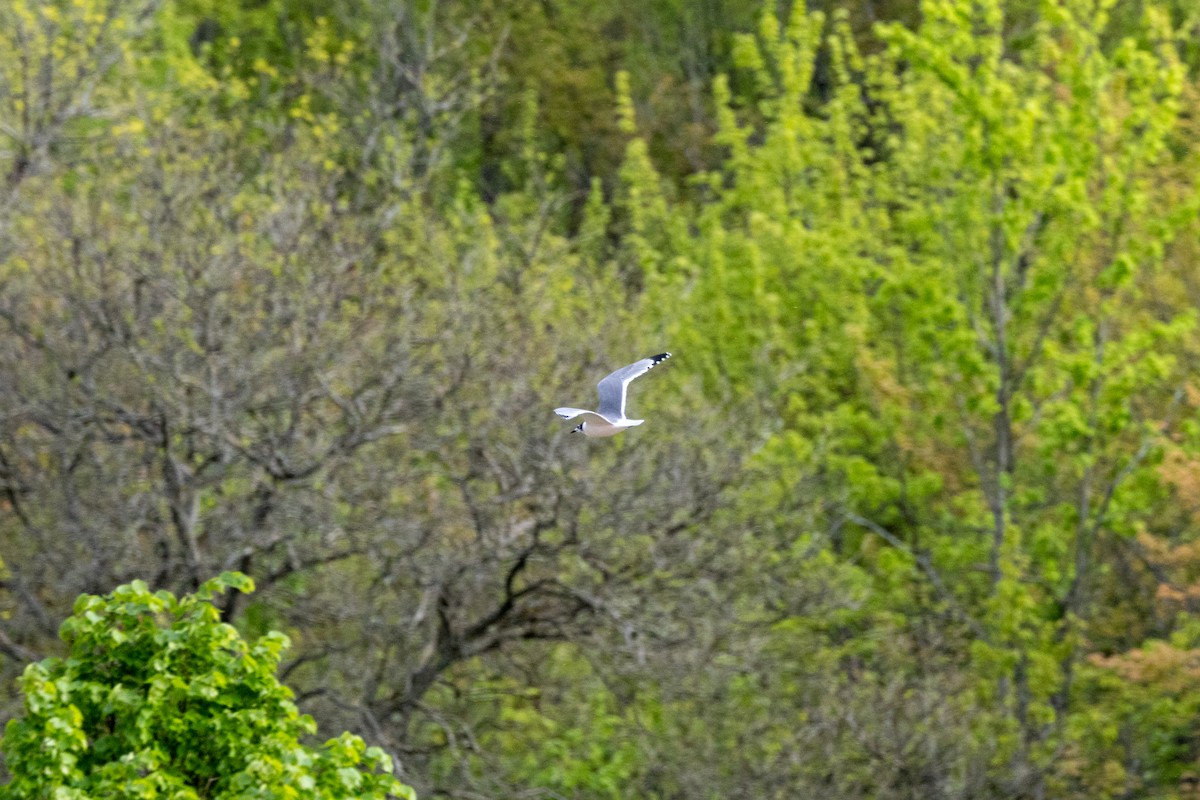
[158, 698]
[267, 336]
[939, 281]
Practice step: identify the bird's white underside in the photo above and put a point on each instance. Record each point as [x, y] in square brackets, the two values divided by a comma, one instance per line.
[596, 425]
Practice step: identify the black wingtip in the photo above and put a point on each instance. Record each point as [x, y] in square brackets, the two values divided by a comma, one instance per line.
[658, 359]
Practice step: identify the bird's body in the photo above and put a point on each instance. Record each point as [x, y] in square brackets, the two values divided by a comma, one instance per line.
[596, 425]
[610, 419]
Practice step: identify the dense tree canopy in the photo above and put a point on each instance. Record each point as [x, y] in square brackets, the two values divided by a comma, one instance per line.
[291, 288]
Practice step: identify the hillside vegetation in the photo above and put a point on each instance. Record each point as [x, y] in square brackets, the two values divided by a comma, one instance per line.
[291, 288]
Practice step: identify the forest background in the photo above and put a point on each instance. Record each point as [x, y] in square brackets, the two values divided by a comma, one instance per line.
[292, 288]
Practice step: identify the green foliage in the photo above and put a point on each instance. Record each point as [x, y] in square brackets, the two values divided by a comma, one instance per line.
[937, 279]
[157, 697]
[283, 285]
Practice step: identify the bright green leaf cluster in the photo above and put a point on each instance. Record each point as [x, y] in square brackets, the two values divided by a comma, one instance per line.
[157, 698]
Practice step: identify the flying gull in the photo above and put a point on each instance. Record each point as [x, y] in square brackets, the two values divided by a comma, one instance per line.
[610, 419]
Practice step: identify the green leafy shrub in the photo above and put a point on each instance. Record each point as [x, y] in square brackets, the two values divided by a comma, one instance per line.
[157, 698]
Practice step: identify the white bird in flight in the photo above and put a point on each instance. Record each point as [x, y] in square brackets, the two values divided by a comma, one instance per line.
[610, 419]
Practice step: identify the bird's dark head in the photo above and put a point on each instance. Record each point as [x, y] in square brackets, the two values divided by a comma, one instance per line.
[578, 428]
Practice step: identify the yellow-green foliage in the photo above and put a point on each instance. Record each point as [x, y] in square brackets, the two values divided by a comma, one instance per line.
[293, 288]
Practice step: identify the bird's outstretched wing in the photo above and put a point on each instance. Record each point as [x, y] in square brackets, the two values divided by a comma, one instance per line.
[571, 413]
[614, 387]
